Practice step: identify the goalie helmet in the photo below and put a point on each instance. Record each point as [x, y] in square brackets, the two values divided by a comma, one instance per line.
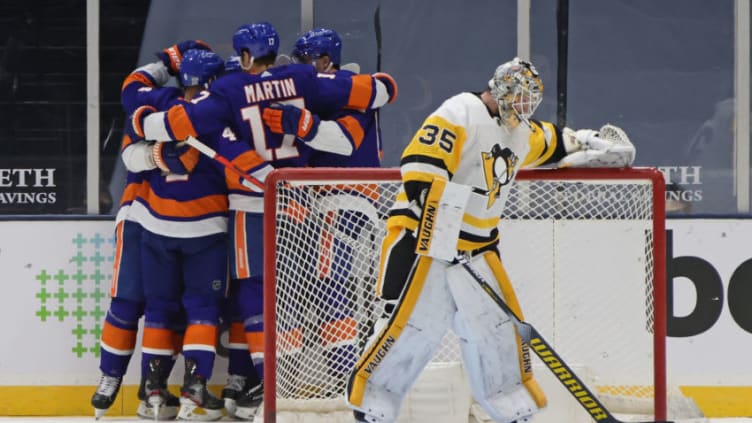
[258, 39]
[200, 67]
[517, 89]
[316, 43]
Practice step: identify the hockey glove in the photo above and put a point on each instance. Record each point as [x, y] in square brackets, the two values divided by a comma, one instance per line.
[173, 55]
[608, 147]
[135, 124]
[389, 83]
[286, 119]
[583, 139]
[175, 157]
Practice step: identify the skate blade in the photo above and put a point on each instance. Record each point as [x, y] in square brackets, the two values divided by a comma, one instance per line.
[146, 411]
[246, 413]
[99, 412]
[193, 412]
[230, 407]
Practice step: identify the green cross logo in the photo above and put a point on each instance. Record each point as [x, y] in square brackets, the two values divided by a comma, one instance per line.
[77, 294]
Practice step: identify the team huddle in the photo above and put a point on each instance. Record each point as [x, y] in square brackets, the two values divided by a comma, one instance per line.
[189, 253]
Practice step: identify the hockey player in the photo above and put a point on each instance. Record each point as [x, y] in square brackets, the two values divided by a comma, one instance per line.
[360, 135]
[238, 100]
[461, 163]
[127, 298]
[184, 255]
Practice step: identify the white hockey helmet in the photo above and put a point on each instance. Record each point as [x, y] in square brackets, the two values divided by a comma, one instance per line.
[517, 89]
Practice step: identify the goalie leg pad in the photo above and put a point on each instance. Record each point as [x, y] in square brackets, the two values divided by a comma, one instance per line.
[497, 362]
[395, 356]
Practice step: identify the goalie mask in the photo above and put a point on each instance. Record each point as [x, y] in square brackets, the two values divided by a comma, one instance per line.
[517, 89]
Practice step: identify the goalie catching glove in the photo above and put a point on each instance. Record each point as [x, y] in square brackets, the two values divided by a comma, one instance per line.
[608, 147]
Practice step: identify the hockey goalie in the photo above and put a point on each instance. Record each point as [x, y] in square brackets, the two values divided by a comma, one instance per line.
[457, 173]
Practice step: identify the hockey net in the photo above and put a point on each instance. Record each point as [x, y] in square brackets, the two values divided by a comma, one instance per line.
[584, 249]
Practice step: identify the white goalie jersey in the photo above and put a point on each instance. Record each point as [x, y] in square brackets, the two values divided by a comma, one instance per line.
[463, 143]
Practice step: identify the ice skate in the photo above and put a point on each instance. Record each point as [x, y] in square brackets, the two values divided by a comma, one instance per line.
[197, 403]
[105, 395]
[248, 403]
[157, 403]
[232, 391]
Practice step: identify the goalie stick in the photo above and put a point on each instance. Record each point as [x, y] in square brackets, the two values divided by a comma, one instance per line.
[247, 180]
[565, 375]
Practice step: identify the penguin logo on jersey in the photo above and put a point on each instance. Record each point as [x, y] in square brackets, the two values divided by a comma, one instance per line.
[498, 168]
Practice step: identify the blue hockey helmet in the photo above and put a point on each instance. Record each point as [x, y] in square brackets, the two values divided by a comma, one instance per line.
[199, 67]
[232, 64]
[259, 39]
[316, 43]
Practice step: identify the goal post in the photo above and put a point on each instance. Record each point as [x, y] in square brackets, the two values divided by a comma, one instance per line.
[584, 249]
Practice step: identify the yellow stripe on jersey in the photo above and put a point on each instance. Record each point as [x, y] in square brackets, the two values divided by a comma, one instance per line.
[417, 177]
[375, 354]
[543, 141]
[488, 223]
[465, 245]
[438, 139]
[401, 221]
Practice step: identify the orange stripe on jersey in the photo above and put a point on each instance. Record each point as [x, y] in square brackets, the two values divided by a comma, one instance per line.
[138, 78]
[361, 92]
[237, 333]
[338, 331]
[180, 123]
[211, 204]
[353, 127]
[244, 162]
[247, 160]
[115, 337]
[291, 340]
[255, 341]
[296, 211]
[198, 334]
[130, 192]
[118, 257]
[158, 339]
[242, 267]
[325, 250]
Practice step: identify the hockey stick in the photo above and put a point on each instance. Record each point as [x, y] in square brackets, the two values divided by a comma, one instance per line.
[549, 356]
[246, 180]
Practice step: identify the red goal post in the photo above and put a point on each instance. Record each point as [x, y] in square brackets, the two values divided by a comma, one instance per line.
[599, 240]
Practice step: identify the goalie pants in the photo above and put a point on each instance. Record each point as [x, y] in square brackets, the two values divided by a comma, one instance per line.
[435, 296]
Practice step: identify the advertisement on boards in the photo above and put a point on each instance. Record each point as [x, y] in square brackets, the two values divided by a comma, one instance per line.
[57, 277]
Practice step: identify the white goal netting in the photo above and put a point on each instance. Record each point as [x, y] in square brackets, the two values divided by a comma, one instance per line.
[583, 248]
